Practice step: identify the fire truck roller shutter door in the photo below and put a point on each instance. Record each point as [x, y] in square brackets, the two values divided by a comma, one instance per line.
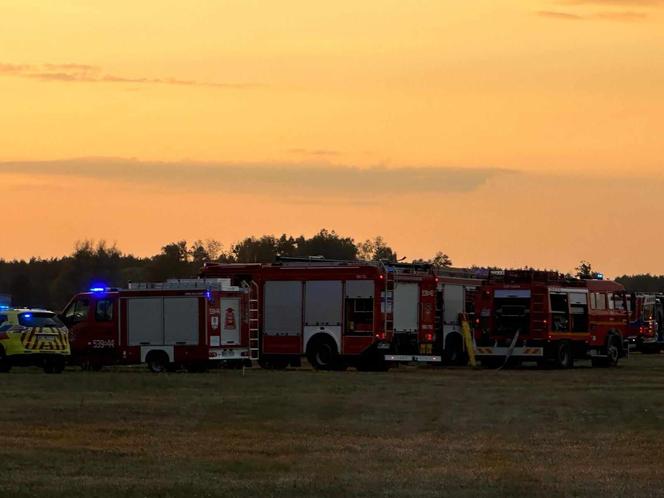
[145, 321]
[453, 305]
[283, 308]
[406, 307]
[323, 310]
[360, 289]
[181, 323]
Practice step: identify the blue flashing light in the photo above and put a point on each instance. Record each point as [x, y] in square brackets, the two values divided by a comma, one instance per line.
[599, 276]
[208, 295]
[27, 315]
[98, 289]
[4, 307]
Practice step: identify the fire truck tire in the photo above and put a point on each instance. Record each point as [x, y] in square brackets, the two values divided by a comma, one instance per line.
[322, 353]
[157, 361]
[5, 365]
[613, 350]
[564, 357]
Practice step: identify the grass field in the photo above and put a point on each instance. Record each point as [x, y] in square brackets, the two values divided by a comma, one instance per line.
[408, 432]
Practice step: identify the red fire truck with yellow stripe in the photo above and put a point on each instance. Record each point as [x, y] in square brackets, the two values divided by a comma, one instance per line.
[549, 318]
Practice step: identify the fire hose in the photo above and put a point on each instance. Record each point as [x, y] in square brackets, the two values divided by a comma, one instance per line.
[510, 350]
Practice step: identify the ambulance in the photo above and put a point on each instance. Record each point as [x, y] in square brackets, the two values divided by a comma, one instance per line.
[32, 337]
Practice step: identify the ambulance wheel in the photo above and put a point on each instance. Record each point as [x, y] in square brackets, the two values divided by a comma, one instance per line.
[157, 362]
[322, 353]
[5, 365]
[564, 358]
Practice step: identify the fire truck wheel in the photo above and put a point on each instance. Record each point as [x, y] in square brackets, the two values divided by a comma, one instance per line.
[5, 365]
[564, 358]
[157, 361]
[322, 353]
[613, 351]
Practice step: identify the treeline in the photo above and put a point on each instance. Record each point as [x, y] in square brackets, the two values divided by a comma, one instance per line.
[50, 283]
[643, 283]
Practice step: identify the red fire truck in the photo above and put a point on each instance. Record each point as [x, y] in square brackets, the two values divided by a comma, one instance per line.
[337, 313]
[366, 314]
[192, 323]
[544, 316]
[643, 327]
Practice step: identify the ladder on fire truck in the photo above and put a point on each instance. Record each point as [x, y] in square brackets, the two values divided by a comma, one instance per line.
[388, 301]
[254, 321]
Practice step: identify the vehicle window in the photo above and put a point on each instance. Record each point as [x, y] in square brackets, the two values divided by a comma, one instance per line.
[610, 300]
[78, 311]
[600, 301]
[619, 302]
[104, 310]
[39, 319]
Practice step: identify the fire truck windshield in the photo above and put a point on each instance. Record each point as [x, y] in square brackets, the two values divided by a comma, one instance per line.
[512, 314]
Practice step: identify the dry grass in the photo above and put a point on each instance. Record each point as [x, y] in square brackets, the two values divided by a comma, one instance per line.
[409, 432]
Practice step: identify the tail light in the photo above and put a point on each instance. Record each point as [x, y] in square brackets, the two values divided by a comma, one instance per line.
[428, 337]
[380, 335]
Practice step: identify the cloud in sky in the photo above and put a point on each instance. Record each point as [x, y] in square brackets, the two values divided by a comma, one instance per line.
[608, 15]
[294, 179]
[85, 73]
[560, 15]
[617, 3]
[600, 16]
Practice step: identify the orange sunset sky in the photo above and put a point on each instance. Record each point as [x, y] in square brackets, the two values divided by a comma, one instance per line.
[504, 132]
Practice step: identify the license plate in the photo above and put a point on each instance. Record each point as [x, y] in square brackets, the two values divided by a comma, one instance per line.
[227, 353]
[46, 338]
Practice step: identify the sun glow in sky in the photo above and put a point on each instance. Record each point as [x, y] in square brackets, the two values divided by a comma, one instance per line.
[510, 133]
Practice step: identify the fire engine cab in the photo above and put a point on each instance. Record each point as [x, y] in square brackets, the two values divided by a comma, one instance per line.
[181, 322]
[643, 327]
[548, 317]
